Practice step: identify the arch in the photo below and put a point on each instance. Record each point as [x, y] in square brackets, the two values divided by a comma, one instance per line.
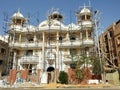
[50, 69]
[50, 72]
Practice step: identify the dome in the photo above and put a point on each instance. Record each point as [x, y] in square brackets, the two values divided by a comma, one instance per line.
[43, 23]
[54, 23]
[85, 10]
[55, 15]
[17, 15]
[55, 12]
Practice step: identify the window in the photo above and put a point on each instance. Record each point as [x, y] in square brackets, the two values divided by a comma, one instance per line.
[88, 17]
[105, 38]
[72, 52]
[51, 37]
[60, 38]
[39, 37]
[17, 21]
[16, 37]
[29, 52]
[118, 41]
[72, 38]
[111, 34]
[89, 34]
[2, 50]
[30, 38]
[83, 17]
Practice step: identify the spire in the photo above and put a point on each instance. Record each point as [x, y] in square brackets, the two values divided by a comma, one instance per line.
[84, 6]
[18, 10]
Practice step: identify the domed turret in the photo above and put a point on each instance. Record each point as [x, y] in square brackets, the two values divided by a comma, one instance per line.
[18, 18]
[85, 11]
[84, 14]
[55, 15]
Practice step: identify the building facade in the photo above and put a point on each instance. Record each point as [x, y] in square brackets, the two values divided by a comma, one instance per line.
[3, 55]
[109, 45]
[117, 40]
[50, 46]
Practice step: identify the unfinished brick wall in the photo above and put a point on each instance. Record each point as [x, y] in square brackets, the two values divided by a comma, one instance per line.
[13, 73]
[38, 75]
[12, 76]
[71, 76]
[24, 74]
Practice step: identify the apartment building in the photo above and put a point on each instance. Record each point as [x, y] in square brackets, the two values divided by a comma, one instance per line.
[110, 49]
[109, 45]
[117, 40]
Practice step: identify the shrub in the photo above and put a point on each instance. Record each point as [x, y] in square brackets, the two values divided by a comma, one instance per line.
[63, 77]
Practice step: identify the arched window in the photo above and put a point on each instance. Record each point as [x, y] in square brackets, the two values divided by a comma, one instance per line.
[83, 17]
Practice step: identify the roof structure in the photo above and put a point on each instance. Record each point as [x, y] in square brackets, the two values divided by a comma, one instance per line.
[17, 15]
[85, 10]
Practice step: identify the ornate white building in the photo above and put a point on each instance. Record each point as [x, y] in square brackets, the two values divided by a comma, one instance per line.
[51, 45]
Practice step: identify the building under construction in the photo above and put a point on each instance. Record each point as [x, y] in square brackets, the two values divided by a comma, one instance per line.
[110, 51]
[50, 47]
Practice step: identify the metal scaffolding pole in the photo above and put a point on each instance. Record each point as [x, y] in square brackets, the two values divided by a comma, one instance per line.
[96, 21]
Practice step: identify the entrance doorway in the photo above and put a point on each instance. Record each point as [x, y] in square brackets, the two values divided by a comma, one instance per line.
[50, 72]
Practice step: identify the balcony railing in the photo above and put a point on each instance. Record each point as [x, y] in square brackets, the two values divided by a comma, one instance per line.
[18, 44]
[77, 42]
[29, 60]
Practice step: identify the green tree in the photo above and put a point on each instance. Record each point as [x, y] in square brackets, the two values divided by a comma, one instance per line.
[97, 66]
[63, 77]
[80, 75]
[81, 63]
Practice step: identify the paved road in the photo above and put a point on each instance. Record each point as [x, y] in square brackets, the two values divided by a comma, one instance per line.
[115, 88]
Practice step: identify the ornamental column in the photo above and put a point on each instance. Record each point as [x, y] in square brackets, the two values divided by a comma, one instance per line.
[57, 49]
[14, 60]
[43, 51]
[35, 37]
[67, 36]
[19, 37]
[57, 59]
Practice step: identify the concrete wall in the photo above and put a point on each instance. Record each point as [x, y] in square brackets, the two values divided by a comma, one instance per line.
[113, 78]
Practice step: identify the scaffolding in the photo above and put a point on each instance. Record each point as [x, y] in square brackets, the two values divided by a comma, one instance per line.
[47, 44]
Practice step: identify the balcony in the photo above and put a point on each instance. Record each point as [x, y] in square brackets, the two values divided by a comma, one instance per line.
[25, 44]
[76, 43]
[64, 43]
[29, 60]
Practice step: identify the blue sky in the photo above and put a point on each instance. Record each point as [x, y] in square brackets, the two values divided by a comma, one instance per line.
[110, 10]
